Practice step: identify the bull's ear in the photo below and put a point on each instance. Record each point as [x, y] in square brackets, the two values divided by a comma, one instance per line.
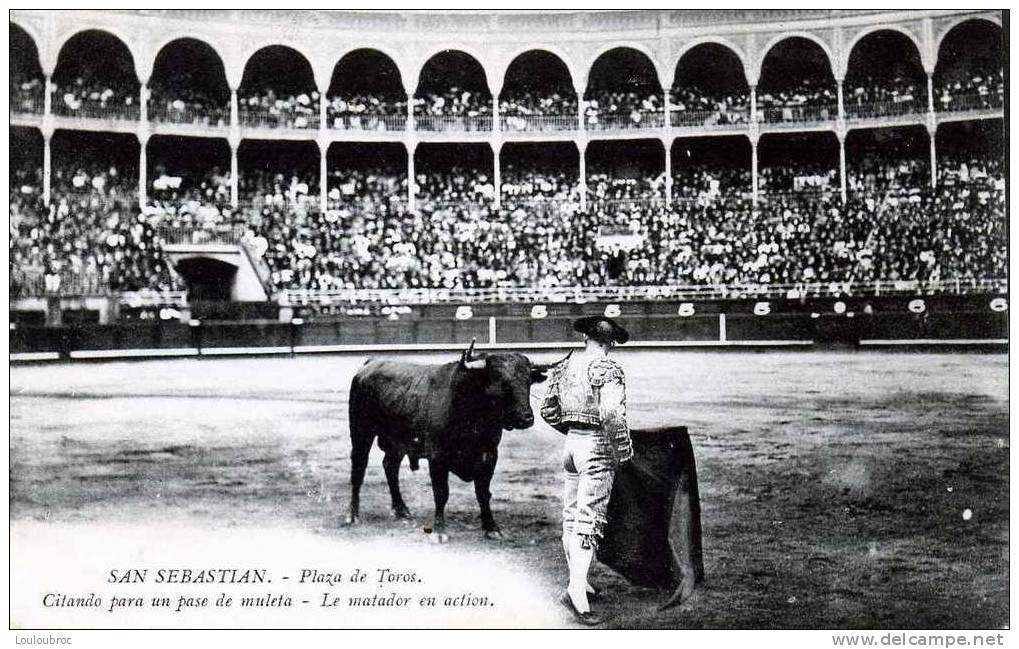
[476, 364]
[538, 374]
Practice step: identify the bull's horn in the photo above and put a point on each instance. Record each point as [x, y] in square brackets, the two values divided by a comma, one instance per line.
[469, 354]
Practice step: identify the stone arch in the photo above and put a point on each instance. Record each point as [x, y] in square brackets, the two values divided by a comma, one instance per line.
[205, 46]
[381, 52]
[630, 45]
[940, 37]
[557, 52]
[113, 33]
[429, 55]
[754, 74]
[251, 52]
[570, 79]
[707, 40]
[873, 29]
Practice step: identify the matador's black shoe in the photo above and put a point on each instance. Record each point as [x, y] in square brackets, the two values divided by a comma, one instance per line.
[587, 619]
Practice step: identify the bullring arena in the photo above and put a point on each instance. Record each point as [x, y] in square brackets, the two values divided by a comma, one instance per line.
[216, 217]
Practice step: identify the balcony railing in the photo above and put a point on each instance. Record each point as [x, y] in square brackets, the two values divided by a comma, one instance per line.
[619, 122]
[886, 109]
[541, 208]
[461, 205]
[453, 123]
[97, 110]
[625, 204]
[368, 122]
[538, 123]
[309, 202]
[162, 113]
[304, 297]
[960, 103]
[711, 118]
[67, 283]
[257, 117]
[153, 299]
[366, 206]
[799, 114]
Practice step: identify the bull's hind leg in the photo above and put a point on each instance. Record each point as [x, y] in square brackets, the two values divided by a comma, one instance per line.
[440, 489]
[360, 447]
[391, 463]
[482, 484]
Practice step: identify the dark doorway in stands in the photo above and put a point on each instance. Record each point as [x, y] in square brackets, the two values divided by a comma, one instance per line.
[207, 279]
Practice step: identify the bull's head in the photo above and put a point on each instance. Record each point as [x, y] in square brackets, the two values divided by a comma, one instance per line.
[508, 378]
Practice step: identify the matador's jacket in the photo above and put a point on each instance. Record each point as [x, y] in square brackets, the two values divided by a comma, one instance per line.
[592, 393]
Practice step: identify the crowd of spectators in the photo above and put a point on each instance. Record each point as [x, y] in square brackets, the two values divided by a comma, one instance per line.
[367, 190]
[89, 95]
[455, 108]
[893, 227]
[875, 97]
[183, 105]
[808, 99]
[27, 93]
[269, 109]
[800, 178]
[202, 201]
[527, 111]
[694, 106]
[367, 113]
[92, 229]
[979, 90]
[618, 109]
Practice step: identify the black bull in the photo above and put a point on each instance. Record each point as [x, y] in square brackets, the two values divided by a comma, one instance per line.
[453, 416]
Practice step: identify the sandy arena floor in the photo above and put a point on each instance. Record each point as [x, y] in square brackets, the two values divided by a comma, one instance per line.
[833, 485]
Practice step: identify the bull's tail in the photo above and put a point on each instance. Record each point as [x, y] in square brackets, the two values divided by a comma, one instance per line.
[361, 438]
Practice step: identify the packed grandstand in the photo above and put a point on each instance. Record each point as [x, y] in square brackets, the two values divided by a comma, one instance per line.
[805, 176]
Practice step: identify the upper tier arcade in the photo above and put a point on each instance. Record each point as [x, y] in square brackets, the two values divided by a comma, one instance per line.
[241, 61]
